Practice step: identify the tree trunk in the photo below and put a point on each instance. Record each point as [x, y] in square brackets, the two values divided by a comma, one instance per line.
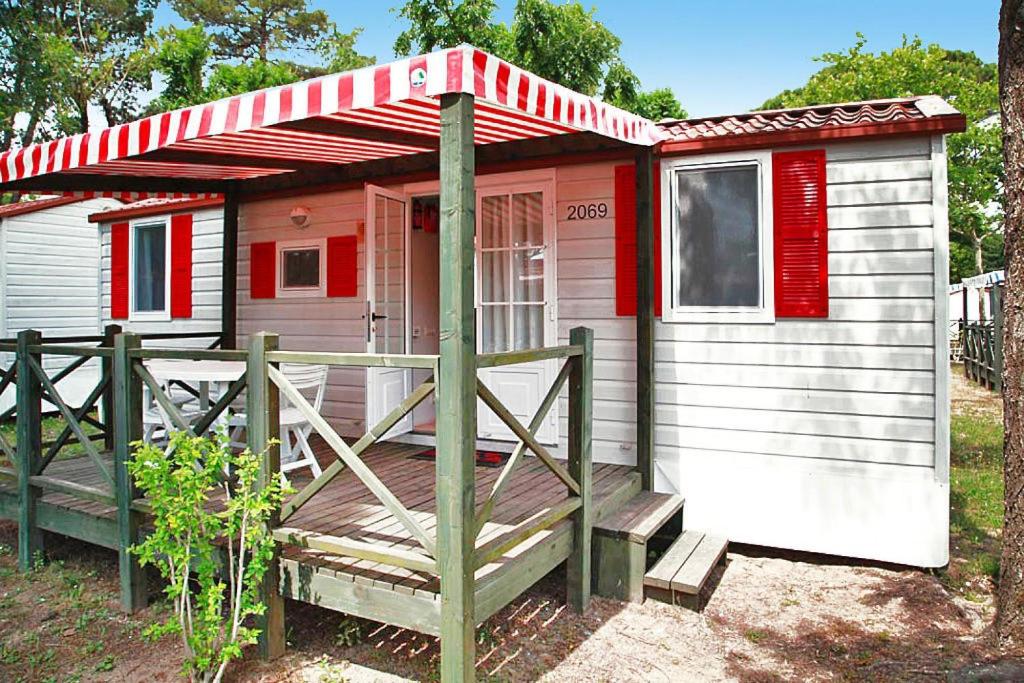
[1010, 614]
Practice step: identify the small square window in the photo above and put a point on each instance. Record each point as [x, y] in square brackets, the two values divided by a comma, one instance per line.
[300, 268]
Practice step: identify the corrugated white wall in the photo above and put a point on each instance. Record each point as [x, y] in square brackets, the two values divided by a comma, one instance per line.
[207, 238]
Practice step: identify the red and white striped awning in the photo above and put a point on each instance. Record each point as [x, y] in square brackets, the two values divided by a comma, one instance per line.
[374, 113]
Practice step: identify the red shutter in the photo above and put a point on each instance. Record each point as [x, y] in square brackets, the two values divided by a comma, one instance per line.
[119, 271]
[342, 275]
[625, 240]
[263, 270]
[181, 266]
[801, 234]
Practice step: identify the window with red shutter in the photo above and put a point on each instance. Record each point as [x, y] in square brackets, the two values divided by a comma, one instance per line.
[801, 234]
[119, 271]
[181, 266]
[625, 240]
[263, 270]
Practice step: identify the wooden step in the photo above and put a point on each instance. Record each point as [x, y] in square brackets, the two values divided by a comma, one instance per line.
[681, 572]
[641, 517]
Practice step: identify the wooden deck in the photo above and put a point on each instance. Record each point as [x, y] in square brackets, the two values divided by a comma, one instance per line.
[346, 508]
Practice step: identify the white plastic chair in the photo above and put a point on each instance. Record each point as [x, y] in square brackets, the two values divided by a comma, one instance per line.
[311, 382]
[156, 423]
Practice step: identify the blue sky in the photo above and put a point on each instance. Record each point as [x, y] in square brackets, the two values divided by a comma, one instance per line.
[729, 56]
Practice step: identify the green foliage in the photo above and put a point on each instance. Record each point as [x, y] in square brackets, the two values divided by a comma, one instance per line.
[235, 79]
[563, 42]
[338, 51]
[255, 29]
[351, 631]
[969, 84]
[181, 58]
[183, 545]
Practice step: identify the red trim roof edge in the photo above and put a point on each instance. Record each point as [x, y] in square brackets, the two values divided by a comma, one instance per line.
[166, 208]
[21, 208]
[950, 123]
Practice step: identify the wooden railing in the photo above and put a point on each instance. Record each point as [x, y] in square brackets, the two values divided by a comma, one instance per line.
[983, 354]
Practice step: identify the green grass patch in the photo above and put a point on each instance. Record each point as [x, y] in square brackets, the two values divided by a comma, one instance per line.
[976, 474]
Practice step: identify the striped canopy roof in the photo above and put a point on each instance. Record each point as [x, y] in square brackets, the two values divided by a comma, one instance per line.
[375, 113]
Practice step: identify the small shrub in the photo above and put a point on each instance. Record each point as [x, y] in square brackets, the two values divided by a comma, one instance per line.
[350, 632]
[183, 546]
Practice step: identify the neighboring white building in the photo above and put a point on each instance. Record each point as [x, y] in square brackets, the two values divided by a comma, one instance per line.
[49, 270]
[162, 257]
[973, 295]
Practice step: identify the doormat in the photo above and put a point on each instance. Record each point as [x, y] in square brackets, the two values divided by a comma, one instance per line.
[483, 458]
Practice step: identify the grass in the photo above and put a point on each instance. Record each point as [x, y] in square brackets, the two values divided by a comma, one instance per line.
[52, 427]
[976, 488]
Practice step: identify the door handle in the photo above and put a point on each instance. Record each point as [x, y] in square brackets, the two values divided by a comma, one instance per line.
[374, 317]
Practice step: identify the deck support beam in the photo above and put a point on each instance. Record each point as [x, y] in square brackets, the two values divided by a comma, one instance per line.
[229, 274]
[581, 412]
[263, 431]
[645, 316]
[127, 421]
[456, 391]
[29, 449]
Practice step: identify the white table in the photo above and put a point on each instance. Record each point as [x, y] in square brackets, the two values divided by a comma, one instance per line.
[213, 377]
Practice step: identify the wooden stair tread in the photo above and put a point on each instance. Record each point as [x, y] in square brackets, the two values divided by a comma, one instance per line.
[687, 563]
[641, 516]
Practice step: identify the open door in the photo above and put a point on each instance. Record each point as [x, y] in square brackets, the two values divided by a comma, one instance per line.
[387, 310]
[515, 301]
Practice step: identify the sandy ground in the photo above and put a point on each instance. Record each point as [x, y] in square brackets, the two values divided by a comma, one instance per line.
[769, 616]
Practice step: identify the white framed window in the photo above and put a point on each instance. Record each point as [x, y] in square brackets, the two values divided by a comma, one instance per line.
[149, 279]
[301, 268]
[717, 238]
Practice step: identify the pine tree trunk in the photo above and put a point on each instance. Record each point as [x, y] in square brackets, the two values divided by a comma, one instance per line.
[1010, 614]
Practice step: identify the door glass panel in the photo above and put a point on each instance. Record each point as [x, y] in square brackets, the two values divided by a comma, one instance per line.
[528, 219]
[528, 326]
[528, 274]
[494, 276]
[389, 287]
[494, 221]
[494, 328]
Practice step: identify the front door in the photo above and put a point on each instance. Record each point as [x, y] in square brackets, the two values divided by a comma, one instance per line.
[515, 300]
[387, 292]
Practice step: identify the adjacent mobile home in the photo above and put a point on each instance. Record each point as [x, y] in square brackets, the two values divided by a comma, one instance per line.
[49, 264]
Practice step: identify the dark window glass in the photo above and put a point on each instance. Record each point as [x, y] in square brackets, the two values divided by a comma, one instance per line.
[150, 267]
[716, 244]
[300, 268]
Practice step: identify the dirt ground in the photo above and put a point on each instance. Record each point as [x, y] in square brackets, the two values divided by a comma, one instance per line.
[770, 616]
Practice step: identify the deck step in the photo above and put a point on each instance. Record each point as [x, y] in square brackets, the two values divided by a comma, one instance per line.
[641, 517]
[685, 566]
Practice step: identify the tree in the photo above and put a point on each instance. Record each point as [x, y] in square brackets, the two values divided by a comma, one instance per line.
[975, 157]
[182, 59]
[250, 30]
[564, 43]
[25, 82]
[1010, 612]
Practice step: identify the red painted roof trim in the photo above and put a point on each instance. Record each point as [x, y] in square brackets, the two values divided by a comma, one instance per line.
[21, 208]
[161, 209]
[951, 123]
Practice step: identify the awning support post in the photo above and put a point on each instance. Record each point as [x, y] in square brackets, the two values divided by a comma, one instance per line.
[229, 273]
[645, 316]
[456, 391]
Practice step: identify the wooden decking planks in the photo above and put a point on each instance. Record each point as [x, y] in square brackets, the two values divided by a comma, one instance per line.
[346, 508]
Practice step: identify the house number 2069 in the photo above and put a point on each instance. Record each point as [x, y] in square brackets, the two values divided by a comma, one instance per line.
[582, 212]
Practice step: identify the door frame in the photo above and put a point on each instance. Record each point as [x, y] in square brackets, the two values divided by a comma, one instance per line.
[370, 268]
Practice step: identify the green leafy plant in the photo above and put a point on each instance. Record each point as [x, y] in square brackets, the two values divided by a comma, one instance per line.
[350, 632]
[212, 604]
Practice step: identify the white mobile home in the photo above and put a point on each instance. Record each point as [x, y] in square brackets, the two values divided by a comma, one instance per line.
[160, 266]
[754, 307]
[49, 265]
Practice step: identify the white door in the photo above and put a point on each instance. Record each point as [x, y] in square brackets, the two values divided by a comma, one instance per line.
[515, 301]
[387, 291]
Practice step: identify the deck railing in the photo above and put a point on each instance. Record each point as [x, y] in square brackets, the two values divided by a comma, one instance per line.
[983, 354]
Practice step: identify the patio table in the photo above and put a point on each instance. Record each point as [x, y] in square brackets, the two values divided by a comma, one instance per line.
[212, 377]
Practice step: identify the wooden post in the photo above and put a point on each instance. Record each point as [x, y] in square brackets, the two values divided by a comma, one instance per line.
[127, 413]
[229, 274]
[107, 401]
[581, 413]
[997, 337]
[262, 399]
[645, 316]
[29, 425]
[456, 391]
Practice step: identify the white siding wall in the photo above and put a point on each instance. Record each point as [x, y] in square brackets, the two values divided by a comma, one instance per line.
[207, 238]
[808, 434]
[307, 324]
[50, 281]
